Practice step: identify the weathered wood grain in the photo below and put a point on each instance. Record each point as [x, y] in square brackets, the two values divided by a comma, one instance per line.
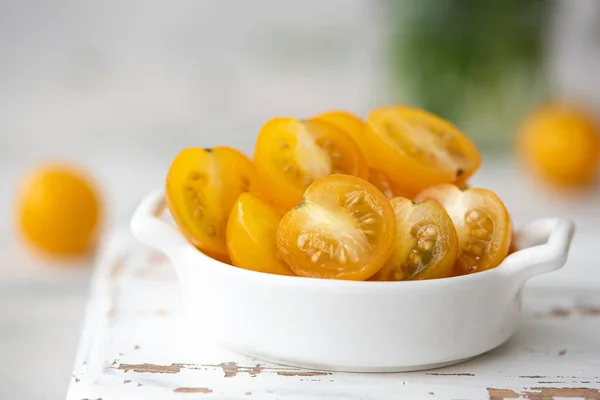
[136, 345]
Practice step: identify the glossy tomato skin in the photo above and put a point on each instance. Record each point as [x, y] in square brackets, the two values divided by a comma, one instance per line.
[59, 211]
[388, 187]
[346, 121]
[290, 154]
[418, 149]
[482, 222]
[344, 228]
[252, 235]
[202, 186]
[560, 145]
[426, 244]
[224, 258]
[355, 127]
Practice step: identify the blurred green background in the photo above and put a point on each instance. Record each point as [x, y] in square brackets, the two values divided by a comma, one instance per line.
[479, 64]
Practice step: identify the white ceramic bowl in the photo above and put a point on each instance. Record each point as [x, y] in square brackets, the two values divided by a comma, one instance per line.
[354, 326]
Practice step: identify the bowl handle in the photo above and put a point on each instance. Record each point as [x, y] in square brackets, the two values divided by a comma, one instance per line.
[543, 247]
[147, 226]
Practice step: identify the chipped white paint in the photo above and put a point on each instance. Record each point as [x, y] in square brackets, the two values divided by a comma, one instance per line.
[136, 346]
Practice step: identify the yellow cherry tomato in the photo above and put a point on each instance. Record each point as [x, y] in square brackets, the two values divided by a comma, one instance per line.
[418, 149]
[482, 223]
[344, 228]
[561, 144]
[290, 154]
[59, 210]
[252, 236]
[202, 186]
[426, 243]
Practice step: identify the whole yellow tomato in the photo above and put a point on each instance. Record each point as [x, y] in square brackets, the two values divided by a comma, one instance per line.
[561, 145]
[58, 210]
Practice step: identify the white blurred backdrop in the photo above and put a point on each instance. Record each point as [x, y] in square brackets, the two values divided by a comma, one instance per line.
[140, 80]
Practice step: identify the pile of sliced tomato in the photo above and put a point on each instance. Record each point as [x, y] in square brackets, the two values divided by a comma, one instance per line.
[336, 197]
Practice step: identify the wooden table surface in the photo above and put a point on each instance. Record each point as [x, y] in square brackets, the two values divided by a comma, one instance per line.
[135, 345]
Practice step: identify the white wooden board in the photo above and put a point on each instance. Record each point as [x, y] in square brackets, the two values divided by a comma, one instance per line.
[135, 345]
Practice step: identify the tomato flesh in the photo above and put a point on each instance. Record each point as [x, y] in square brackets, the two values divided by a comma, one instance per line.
[202, 186]
[419, 149]
[290, 154]
[343, 229]
[426, 243]
[482, 223]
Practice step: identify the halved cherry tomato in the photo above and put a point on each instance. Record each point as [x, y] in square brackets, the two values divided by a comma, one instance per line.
[419, 149]
[355, 127]
[426, 244]
[252, 236]
[482, 222]
[290, 154]
[343, 229]
[202, 185]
